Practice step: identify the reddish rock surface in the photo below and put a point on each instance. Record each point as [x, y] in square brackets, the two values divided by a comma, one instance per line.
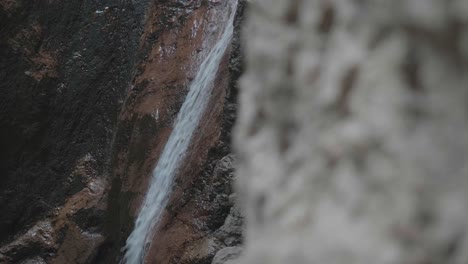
[195, 209]
[90, 94]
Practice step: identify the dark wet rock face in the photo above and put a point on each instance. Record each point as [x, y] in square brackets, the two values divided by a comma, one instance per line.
[64, 71]
[89, 94]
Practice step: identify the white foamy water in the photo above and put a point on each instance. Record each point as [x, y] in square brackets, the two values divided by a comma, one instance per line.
[187, 120]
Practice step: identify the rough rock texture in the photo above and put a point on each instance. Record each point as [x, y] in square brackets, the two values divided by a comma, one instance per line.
[200, 218]
[89, 94]
[352, 136]
[200, 200]
[64, 70]
[227, 255]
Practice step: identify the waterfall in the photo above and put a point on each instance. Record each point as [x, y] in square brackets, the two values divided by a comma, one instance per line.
[176, 147]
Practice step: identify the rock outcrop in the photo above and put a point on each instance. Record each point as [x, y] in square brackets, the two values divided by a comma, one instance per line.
[227, 255]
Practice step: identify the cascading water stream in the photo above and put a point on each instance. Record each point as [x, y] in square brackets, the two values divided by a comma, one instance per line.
[176, 147]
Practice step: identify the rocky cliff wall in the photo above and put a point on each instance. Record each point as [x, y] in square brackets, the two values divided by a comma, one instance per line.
[90, 93]
[193, 205]
[65, 68]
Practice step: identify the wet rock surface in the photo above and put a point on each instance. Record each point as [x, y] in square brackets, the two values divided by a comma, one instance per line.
[64, 73]
[90, 91]
[201, 217]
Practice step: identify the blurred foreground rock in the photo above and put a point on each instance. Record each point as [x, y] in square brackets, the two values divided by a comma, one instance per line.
[352, 138]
